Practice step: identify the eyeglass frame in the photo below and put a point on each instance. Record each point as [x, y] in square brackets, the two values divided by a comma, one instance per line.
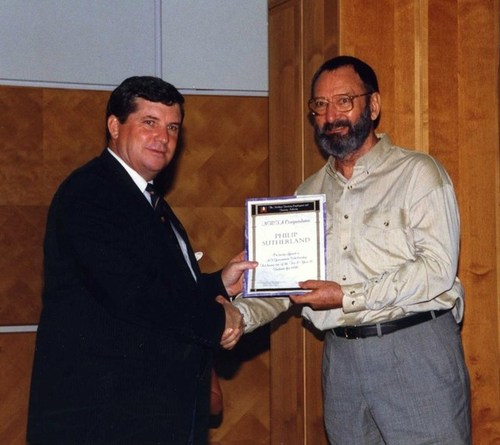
[351, 99]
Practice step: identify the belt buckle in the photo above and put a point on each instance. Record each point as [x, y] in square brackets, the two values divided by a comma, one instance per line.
[348, 333]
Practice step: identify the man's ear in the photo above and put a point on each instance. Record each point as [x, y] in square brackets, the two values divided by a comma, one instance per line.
[374, 106]
[113, 126]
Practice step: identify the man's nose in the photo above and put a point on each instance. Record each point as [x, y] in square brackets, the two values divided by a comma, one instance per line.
[162, 135]
[332, 113]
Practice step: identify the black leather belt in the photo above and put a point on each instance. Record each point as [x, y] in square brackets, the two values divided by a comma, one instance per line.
[372, 330]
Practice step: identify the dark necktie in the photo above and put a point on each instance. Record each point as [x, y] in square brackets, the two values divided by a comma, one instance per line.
[170, 221]
[160, 206]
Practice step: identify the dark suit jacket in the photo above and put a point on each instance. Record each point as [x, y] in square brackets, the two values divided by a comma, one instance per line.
[125, 339]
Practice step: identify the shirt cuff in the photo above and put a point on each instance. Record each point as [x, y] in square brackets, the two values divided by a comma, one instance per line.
[259, 311]
[354, 299]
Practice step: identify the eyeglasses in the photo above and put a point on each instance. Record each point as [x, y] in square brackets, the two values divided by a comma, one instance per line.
[341, 102]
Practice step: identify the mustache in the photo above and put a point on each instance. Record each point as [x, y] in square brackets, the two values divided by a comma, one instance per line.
[329, 126]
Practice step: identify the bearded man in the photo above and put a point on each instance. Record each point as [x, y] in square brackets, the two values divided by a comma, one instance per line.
[393, 364]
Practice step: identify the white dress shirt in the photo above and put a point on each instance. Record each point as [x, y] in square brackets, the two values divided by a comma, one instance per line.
[141, 183]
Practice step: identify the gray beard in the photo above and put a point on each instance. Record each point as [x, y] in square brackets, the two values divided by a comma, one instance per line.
[340, 146]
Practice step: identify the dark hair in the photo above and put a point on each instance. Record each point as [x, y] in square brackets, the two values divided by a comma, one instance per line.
[364, 71]
[122, 101]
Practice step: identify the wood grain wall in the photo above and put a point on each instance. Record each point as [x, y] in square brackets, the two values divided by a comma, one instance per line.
[46, 133]
[437, 63]
[438, 66]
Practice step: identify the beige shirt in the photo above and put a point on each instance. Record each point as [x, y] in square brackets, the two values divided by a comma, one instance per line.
[392, 240]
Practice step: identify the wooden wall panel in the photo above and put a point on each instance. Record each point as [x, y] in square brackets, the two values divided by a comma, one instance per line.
[244, 377]
[16, 355]
[437, 63]
[21, 135]
[225, 155]
[444, 124]
[300, 33]
[386, 34]
[476, 159]
[320, 25]
[21, 237]
[45, 134]
[285, 167]
[73, 132]
[21, 217]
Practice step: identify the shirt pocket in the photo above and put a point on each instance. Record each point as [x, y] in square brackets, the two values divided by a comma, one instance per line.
[386, 237]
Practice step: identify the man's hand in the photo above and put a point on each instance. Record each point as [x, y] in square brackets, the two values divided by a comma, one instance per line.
[232, 274]
[234, 324]
[323, 295]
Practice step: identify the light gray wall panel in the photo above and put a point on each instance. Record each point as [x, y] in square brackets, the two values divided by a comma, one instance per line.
[216, 46]
[85, 43]
[201, 46]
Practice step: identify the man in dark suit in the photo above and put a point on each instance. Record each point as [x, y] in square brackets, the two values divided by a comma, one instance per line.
[128, 325]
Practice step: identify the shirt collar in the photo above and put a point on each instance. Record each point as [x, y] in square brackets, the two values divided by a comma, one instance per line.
[371, 159]
[136, 177]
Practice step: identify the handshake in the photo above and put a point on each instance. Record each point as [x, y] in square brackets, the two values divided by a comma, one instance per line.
[232, 278]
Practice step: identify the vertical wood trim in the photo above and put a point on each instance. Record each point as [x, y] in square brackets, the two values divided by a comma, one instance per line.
[285, 108]
[286, 158]
[421, 75]
[320, 42]
[496, 14]
[477, 150]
